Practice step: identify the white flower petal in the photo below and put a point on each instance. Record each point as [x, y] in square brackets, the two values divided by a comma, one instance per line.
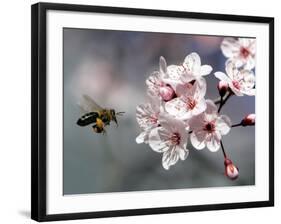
[248, 78]
[153, 83]
[162, 65]
[226, 120]
[250, 92]
[196, 122]
[231, 68]
[187, 77]
[211, 107]
[141, 116]
[199, 89]
[177, 107]
[169, 158]
[173, 77]
[213, 144]
[223, 124]
[183, 89]
[205, 70]
[237, 92]
[199, 108]
[147, 114]
[155, 103]
[201, 82]
[223, 77]
[244, 42]
[183, 153]
[174, 72]
[241, 52]
[197, 139]
[156, 140]
[239, 62]
[143, 137]
[252, 46]
[192, 62]
[230, 47]
[250, 64]
[172, 124]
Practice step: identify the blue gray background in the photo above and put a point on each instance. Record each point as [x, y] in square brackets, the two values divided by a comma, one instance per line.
[111, 67]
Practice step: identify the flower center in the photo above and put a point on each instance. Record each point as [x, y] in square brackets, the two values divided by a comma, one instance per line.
[236, 84]
[210, 127]
[175, 139]
[153, 118]
[244, 52]
[191, 103]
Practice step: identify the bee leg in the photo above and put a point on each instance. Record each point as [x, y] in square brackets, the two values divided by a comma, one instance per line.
[97, 129]
[94, 128]
[103, 131]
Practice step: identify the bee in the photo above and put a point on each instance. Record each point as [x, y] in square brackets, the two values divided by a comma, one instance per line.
[96, 115]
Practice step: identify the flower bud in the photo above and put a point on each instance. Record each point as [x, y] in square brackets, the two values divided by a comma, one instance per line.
[166, 92]
[231, 171]
[222, 87]
[250, 119]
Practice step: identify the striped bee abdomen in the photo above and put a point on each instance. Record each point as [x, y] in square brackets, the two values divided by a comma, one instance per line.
[88, 118]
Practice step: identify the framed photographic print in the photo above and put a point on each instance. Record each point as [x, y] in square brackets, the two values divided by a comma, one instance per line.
[138, 111]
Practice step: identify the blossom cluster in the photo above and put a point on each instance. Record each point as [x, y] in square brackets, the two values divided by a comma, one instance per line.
[178, 111]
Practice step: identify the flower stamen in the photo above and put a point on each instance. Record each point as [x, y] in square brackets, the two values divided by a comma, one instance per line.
[191, 103]
[244, 52]
[175, 139]
[210, 127]
[153, 118]
[236, 84]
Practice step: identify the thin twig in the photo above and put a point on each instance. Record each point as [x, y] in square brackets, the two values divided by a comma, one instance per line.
[224, 101]
[224, 154]
[241, 124]
[221, 103]
[236, 125]
[218, 100]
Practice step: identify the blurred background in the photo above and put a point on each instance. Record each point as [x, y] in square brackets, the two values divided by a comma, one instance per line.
[111, 67]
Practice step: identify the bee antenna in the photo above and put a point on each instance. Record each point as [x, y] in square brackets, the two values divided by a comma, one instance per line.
[120, 113]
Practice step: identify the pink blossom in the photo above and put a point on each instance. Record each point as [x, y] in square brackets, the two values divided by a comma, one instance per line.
[191, 69]
[240, 81]
[222, 87]
[231, 171]
[190, 102]
[170, 138]
[250, 119]
[166, 92]
[208, 127]
[242, 51]
[157, 86]
[147, 117]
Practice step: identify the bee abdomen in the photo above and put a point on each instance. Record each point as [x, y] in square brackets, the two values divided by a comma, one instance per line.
[87, 119]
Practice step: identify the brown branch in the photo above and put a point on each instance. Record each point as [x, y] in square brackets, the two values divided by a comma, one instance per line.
[218, 100]
[241, 124]
[223, 101]
[223, 151]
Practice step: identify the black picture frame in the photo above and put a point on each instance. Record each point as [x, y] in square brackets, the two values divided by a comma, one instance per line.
[39, 123]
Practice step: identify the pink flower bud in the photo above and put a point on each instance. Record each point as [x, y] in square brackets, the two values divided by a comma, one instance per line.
[231, 171]
[222, 87]
[250, 119]
[167, 93]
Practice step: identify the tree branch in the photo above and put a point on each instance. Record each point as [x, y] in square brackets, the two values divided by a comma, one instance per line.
[222, 102]
[223, 151]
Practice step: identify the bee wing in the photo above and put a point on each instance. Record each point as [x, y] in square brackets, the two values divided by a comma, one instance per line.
[87, 104]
